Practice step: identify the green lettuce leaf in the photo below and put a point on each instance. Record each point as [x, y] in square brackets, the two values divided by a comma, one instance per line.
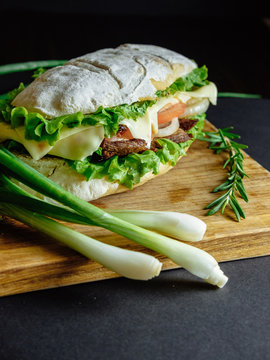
[13, 93]
[39, 71]
[129, 170]
[39, 128]
[5, 103]
[111, 117]
[196, 78]
[18, 116]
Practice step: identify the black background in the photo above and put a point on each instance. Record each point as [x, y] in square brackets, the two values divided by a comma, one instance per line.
[232, 38]
[175, 316]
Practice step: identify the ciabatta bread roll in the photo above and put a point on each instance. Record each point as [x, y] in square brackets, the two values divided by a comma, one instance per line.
[107, 78]
[110, 120]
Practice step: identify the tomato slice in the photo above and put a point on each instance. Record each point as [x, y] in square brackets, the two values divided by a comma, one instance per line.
[171, 112]
[124, 133]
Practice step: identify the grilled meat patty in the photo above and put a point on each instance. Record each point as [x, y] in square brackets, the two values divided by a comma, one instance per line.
[123, 143]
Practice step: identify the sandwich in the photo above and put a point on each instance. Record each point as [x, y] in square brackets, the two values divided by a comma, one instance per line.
[110, 120]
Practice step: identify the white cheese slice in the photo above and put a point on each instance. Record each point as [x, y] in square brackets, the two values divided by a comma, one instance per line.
[143, 127]
[74, 144]
[208, 91]
[140, 128]
[7, 133]
[80, 145]
[147, 126]
[80, 142]
[37, 149]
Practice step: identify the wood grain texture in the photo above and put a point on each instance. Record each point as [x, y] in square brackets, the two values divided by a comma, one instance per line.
[30, 261]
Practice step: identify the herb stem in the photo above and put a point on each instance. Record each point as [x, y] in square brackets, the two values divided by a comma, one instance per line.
[222, 141]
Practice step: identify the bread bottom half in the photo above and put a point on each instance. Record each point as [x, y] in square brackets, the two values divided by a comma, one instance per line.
[61, 173]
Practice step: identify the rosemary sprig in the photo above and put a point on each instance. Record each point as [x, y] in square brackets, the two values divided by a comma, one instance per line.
[223, 140]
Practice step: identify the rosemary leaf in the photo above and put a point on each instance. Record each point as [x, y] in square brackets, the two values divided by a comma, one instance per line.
[239, 209]
[221, 141]
[215, 202]
[226, 185]
[235, 210]
[241, 190]
[215, 208]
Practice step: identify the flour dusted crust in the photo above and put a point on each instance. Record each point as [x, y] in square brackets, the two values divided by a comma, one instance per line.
[106, 77]
[62, 174]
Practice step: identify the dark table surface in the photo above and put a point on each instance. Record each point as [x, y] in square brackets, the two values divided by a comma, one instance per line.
[175, 316]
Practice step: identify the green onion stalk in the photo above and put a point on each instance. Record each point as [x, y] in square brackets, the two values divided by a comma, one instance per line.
[131, 264]
[238, 95]
[195, 260]
[29, 65]
[177, 225]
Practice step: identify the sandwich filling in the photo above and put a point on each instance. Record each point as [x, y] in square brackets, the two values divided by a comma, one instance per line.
[122, 142]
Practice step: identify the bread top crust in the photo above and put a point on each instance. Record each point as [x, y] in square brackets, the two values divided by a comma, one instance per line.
[106, 77]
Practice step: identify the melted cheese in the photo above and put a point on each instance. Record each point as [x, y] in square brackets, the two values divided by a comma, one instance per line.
[74, 144]
[143, 127]
[80, 145]
[208, 91]
[80, 142]
[37, 149]
[147, 126]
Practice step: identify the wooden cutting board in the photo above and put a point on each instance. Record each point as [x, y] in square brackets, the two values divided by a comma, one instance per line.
[30, 261]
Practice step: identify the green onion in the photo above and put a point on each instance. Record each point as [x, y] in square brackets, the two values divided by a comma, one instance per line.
[197, 261]
[239, 95]
[13, 194]
[180, 226]
[177, 225]
[131, 264]
[30, 65]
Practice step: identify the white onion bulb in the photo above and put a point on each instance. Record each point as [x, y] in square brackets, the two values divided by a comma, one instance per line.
[170, 129]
